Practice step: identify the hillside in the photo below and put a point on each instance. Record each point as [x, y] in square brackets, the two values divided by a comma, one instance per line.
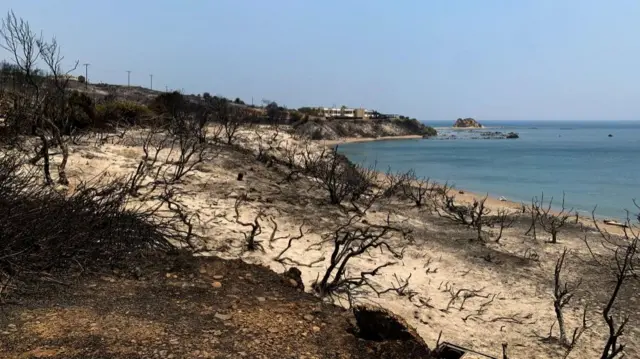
[333, 129]
[315, 128]
[139, 224]
[110, 280]
[178, 306]
[129, 210]
[505, 284]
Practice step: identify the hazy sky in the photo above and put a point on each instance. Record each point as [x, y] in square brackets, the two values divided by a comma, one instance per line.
[434, 60]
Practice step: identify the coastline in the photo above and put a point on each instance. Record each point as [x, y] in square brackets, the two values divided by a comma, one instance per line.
[367, 139]
[493, 203]
[490, 268]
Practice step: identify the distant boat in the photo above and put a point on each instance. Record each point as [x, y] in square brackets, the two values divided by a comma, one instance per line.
[612, 222]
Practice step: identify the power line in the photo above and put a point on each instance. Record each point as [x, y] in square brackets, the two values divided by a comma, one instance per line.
[128, 78]
[86, 75]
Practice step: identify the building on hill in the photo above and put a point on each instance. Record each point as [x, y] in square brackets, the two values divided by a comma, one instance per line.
[345, 112]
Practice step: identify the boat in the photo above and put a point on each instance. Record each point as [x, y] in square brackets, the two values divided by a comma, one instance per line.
[613, 222]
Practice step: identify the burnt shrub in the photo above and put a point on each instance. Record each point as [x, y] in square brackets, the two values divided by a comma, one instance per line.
[121, 111]
[170, 103]
[341, 179]
[42, 229]
[83, 110]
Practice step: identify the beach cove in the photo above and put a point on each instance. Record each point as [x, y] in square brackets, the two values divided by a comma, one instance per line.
[578, 159]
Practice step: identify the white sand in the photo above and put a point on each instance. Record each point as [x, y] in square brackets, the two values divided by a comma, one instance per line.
[522, 292]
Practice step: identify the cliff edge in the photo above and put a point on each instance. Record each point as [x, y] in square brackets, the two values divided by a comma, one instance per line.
[320, 129]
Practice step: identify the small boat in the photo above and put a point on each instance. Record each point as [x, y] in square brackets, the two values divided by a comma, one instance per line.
[613, 222]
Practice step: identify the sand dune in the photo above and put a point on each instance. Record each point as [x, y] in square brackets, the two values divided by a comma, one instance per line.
[508, 285]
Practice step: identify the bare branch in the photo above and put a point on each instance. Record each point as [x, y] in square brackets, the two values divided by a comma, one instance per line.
[562, 295]
[550, 222]
[419, 190]
[504, 220]
[400, 287]
[623, 267]
[351, 240]
[291, 240]
[251, 242]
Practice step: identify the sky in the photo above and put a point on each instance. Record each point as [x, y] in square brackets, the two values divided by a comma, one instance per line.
[429, 59]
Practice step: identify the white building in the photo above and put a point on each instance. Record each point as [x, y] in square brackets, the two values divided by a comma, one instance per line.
[368, 113]
[346, 112]
[331, 112]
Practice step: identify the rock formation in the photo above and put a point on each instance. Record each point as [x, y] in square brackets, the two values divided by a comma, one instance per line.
[512, 135]
[467, 123]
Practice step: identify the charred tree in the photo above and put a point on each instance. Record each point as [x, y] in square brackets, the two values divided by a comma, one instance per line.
[351, 240]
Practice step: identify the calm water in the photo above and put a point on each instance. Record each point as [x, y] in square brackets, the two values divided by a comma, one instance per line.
[577, 158]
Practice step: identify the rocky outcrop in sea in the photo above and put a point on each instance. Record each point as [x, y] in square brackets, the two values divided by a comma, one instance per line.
[467, 123]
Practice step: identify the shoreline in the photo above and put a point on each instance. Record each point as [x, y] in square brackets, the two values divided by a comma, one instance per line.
[367, 139]
[489, 268]
[494, 203]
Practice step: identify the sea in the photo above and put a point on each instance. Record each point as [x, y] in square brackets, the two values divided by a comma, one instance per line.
[595, 164]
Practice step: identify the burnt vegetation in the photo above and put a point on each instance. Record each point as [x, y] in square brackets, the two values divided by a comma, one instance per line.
[341, 179]
[418, 190]
[354, 239]
[51, 224]
[551, 222]
[621, 262]
[94, 227]
[563, 293]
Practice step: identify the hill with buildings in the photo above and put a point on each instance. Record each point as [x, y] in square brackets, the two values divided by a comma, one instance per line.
[319, 123]
[333, 129]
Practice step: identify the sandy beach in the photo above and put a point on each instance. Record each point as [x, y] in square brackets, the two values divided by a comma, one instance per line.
[493, 202]
[245, 205]
[511, 280]
[367, 139]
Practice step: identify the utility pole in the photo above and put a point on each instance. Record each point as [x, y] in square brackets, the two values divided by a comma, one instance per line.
[166, 88]
[128, 78]
[151, 76]
[86, 75]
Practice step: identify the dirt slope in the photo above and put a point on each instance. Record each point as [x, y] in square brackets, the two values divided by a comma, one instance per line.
[183, 307]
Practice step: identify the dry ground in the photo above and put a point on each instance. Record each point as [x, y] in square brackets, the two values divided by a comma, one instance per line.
[178, 307]
[514, 290]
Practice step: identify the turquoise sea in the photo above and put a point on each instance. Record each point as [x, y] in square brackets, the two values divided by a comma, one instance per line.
[577, 158]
